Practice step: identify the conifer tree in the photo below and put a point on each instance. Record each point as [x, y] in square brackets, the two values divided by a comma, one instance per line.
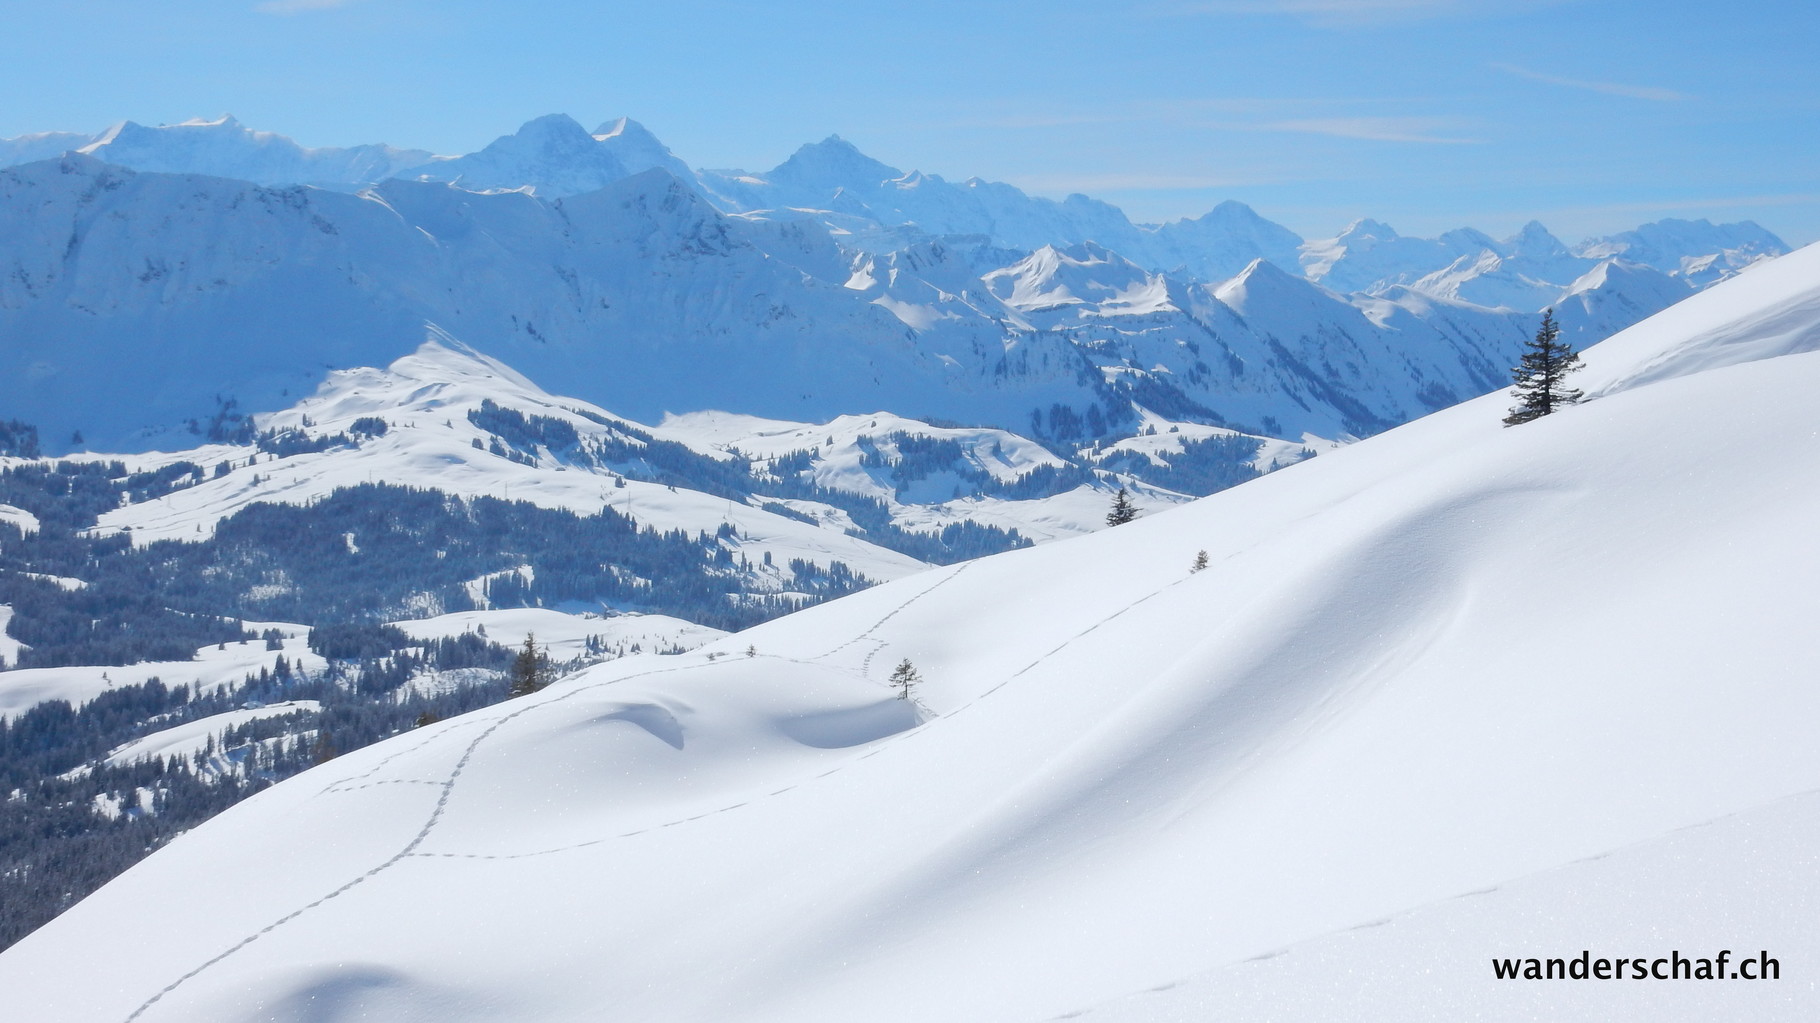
[1122, 509]
[1200, 562]
[1541, 378]
[905, 679]
[530, 669]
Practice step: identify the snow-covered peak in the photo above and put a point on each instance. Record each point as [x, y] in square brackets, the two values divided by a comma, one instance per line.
[1614, 295]
[44, 145]
[1534, 242]
[1466, 240]
[1371, 257]
[223, 147]
[638, 150]
[831, 163]
[1700, 250]
[551, 156]
[1221, 242]
[1265, 287]
[1365, 230]
[1085, 275]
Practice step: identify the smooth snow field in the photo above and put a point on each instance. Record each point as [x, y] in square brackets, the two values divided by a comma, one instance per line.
[1454, 693]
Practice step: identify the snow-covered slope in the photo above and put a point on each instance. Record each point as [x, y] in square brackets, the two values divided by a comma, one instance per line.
[1437, 662]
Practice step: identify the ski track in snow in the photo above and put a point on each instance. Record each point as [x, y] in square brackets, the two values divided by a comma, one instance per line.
[448, 785]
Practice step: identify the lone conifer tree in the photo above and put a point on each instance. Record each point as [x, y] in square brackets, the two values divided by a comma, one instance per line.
[530, 669]
[905, 678]
[1122, 509]
[1541, 379]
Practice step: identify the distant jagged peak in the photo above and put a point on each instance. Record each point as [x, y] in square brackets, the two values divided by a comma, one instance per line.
[1230, 208]
[1619, 273]
[914, 179]
[625, 128]
[45, 145]
[1366, 228]
[833, 160]
[551, 156]
[560, 128]
[1084, 275]
[1534, 241]
[552, 135]
[1087, 253]
[223, 123]
[1657, 242]
[1263, 285]
[224, 128]
[1049, 260]
[638, 149]
[1468, 241]
[42, 136]
[1262, 270]
[1230, 212]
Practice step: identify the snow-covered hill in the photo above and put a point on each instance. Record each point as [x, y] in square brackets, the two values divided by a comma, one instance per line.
[1455, 658]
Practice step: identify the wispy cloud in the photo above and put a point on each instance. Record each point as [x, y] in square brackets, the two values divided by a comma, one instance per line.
[1376, 129]
[1608, 88]
[289, 7]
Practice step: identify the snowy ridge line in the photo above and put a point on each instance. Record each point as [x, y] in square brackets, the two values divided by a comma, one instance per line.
[1412, 911]
[442, 802]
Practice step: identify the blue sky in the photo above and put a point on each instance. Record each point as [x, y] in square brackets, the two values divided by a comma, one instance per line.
[1427, 114]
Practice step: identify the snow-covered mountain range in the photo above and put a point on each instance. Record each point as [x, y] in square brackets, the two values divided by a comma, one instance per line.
[600, 260]
[1121, 788]
[255, 395]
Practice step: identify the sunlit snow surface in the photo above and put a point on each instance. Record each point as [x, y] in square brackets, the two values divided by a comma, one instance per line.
[1453, 659]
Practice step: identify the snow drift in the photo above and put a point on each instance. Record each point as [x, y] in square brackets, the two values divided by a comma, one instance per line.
[1452, 659]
